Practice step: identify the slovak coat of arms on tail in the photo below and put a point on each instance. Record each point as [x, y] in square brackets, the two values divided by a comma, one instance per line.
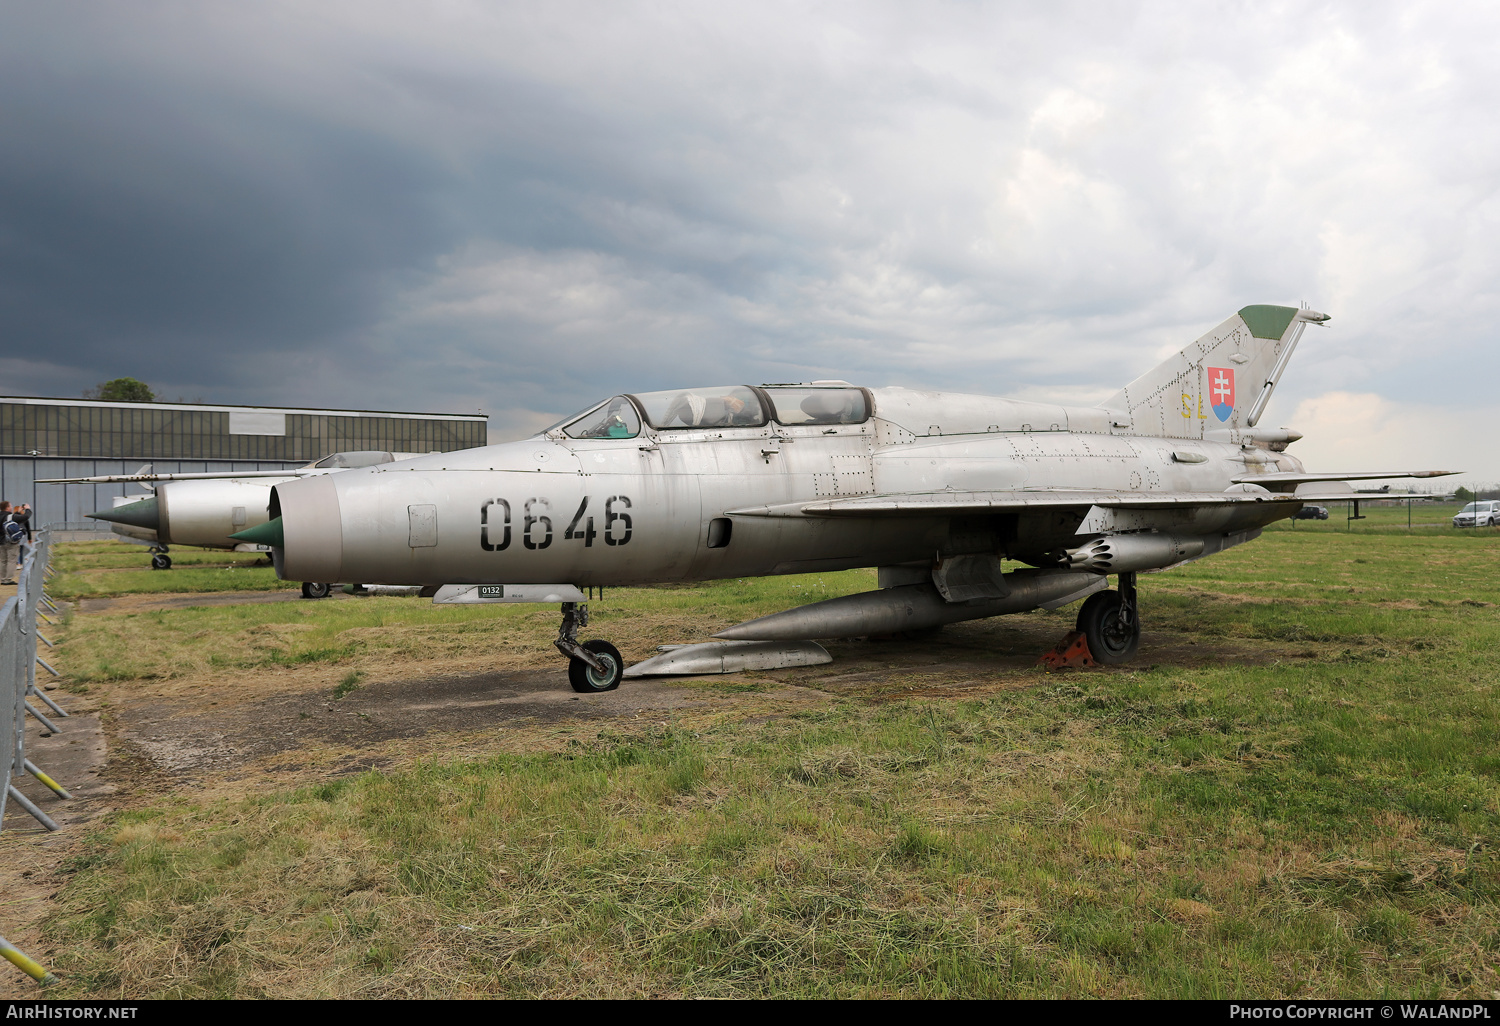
[1221, 391]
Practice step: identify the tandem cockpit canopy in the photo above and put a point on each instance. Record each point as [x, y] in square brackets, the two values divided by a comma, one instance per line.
[719, 406]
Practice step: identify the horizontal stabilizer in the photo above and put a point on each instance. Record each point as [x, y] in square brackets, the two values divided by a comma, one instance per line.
[1266, 480]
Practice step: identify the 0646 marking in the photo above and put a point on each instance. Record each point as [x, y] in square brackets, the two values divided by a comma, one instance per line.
[494, 518]
[485, 525]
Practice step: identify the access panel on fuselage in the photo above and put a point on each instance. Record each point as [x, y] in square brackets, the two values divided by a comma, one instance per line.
[639, 490]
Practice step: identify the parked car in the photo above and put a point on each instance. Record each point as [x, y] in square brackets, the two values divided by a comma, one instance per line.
[1478, 514]
[1311, 513]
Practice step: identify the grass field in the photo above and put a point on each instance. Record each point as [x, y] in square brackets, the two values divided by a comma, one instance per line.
[1319, 822]
[97, 569]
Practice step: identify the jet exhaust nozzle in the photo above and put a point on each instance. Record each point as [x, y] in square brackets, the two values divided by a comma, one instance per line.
[1124, 553]
[145, 514]
[913, 607]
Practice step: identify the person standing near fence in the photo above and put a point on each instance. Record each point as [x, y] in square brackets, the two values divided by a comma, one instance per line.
[12, 535]
[22, 515]
[9, 554]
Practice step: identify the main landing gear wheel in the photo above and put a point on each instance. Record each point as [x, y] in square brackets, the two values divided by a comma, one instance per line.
[161, 561]
[1109, 621]
[586, 679]
[311, 590]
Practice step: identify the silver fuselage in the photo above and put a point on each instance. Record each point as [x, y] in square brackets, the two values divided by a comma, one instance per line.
[621, 511]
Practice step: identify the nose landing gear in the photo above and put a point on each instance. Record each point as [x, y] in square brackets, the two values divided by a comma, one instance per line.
[159, 558]
[593, 666]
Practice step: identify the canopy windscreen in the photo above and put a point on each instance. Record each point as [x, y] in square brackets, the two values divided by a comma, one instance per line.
[615, 419]
[716, 406]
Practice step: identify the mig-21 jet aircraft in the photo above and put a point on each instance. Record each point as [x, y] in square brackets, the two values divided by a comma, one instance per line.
[935, 489]
[205, 508]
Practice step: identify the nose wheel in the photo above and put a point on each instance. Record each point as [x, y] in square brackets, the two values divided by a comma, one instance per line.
[593, 666]
[1111, 623]
[586, 678]
[159, 558]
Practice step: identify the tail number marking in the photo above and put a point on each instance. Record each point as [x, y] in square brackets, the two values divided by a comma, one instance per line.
[587, 533]
[536, 524]
[530, 520]
[611, 518]
[485, 523]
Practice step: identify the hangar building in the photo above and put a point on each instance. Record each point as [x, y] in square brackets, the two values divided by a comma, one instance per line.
[43, 438]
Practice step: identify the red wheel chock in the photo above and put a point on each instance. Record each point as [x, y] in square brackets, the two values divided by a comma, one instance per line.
[1071, 651]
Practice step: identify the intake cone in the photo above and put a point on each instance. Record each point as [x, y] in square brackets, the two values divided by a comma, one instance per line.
[145, 514]
[269, 533]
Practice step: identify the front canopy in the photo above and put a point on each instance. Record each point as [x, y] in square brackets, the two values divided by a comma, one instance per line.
[713, 406]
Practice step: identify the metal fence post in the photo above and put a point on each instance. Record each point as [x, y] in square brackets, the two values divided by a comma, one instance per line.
[25, 963]
[9, 698]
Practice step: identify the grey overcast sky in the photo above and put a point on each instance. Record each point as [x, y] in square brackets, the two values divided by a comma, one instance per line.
[521, 207]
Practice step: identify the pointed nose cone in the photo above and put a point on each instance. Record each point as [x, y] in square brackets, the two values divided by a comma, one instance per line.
[269, 533]
[146, 514]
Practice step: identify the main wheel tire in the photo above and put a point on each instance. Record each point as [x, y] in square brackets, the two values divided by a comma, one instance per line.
[586, 679]
[161, 561]
[315, 591]
[1099, 620]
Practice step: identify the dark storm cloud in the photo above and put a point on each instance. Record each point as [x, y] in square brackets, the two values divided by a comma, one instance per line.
[143, 221]
[520, 207]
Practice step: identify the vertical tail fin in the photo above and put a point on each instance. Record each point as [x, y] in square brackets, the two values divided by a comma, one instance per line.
[1220, 382]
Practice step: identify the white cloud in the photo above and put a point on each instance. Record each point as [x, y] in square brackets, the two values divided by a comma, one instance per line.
[1363, 431]
[985, 197]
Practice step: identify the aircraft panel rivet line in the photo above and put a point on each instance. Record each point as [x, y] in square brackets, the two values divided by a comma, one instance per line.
[27, 804]
[46, 698]
[45, 722]
[55, 787]
[18, 958]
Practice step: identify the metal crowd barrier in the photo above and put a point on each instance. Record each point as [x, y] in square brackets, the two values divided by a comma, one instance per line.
[19, 659]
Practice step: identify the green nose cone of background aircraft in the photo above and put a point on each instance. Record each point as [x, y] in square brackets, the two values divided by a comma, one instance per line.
[268, 533]
[135, 514]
